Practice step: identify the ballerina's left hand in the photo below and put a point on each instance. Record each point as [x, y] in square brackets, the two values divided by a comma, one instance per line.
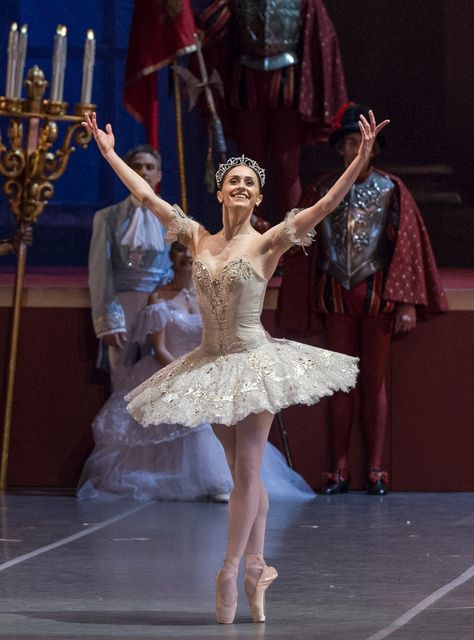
[369, 131]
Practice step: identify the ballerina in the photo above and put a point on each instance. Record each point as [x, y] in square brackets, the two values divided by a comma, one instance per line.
[239, 377]
[168, 461]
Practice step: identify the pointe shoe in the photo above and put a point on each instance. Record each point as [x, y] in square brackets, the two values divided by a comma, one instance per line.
[225, 611]
[255, 590]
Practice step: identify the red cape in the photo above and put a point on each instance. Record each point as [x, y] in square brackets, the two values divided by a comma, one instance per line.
[412, 278]
[322, 86]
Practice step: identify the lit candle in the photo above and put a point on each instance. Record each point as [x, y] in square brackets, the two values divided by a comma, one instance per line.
[88, 68]
[59, 63]
[22, 44]
[62, 71]
[12, 60]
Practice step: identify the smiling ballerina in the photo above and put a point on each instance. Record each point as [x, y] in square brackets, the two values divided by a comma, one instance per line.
[239, 376]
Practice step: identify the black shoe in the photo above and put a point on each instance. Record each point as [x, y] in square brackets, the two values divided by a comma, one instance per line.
[377, 482]
[336, 483]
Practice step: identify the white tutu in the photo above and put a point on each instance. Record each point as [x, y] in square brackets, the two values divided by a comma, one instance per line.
[202, 387]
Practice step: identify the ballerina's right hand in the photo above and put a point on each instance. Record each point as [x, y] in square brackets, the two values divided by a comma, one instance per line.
[105, 139]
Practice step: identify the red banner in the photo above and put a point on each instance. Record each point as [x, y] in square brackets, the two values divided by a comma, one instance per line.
[160, 31]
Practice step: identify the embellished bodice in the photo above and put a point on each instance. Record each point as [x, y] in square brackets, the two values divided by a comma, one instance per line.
[231, 303]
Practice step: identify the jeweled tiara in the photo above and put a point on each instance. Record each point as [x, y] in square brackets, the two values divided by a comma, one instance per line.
[235, 162]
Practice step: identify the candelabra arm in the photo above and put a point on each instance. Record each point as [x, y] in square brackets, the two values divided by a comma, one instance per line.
[15, 134]
[12, 160]
[13, 189]
[38, 158]
[55, 164]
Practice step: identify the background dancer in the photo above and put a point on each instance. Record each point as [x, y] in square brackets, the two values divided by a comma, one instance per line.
[371, 268]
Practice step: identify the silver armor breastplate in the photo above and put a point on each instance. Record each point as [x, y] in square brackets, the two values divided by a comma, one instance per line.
[354, 241]
[267, 32]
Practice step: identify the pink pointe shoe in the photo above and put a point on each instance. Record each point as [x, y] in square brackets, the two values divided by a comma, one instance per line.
[226, 601]
[257, 579]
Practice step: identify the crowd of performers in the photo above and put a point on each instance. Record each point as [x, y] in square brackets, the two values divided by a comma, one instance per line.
[368, 273]
[371, 269]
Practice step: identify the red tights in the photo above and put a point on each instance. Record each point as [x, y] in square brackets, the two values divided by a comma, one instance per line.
[369, 338]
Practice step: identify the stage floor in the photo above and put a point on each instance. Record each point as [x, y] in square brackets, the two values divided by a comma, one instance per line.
[351, 567]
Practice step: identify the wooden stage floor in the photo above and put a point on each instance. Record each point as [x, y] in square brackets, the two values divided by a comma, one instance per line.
[352, 567]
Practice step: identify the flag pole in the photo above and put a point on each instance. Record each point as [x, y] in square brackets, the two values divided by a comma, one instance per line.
[179, 137]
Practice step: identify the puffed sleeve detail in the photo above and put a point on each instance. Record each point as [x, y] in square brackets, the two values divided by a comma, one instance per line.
[180, 225]
[154, 317]
[289, 231]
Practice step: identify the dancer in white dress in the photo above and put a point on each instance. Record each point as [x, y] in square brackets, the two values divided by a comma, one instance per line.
[239, 376]
[168, 461]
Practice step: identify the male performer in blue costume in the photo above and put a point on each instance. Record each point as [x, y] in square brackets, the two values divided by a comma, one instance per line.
[128, 259]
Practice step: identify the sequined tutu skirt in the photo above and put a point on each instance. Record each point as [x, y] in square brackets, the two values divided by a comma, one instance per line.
[166, 461]
[224, 389]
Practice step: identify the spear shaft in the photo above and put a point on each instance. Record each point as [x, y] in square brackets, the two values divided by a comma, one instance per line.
[216, 123]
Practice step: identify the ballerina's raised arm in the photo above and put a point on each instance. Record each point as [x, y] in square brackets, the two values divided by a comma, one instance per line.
[169, 216]
[304, 221]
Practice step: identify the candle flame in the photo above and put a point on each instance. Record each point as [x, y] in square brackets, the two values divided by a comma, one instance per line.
[14, 27]
[61, 30]
[90, 34]
[24, 28]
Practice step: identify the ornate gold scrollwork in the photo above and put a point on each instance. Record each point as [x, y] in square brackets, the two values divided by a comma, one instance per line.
[15, 134]
[30, 172]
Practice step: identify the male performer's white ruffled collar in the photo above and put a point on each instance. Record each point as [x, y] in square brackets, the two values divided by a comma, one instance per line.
[145, 231]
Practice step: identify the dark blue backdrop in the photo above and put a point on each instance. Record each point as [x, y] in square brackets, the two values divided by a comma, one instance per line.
[63, 231]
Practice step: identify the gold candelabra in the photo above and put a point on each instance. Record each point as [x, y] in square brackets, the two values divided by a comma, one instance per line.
[30, 163]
